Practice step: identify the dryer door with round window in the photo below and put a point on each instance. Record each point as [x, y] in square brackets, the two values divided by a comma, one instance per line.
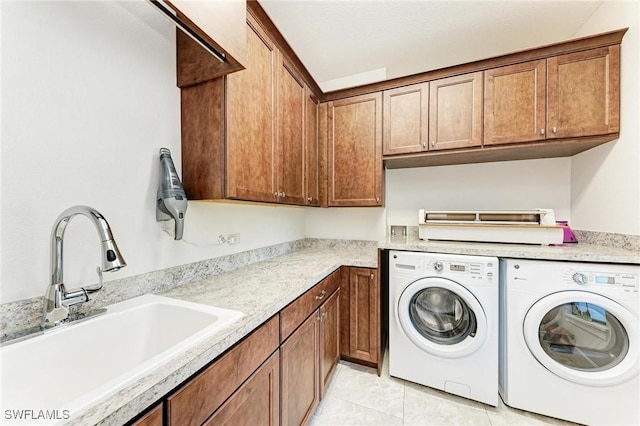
[583, 337]
[442, 317]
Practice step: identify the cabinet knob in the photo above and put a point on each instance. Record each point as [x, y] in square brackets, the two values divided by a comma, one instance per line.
[542, 131]
[371, 276]
[309, 199]
[377, 199]
[424, 144]
[321, 295]
[553, 129]
[276, 194]
[433, 143]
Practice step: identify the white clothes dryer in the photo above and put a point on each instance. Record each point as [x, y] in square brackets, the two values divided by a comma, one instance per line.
[443, 322]
[569, 340]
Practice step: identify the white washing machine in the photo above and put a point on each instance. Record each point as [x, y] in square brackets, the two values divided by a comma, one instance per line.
[443, 322]
[569, 340]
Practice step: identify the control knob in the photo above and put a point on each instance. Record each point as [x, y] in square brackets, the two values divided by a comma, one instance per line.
[579, 278]
[438, 266]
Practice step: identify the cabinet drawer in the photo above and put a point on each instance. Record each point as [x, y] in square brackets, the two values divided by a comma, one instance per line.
[293, 315]
[200, 397]
[257, 402]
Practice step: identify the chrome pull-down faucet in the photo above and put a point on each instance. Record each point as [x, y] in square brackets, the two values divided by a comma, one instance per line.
[57, 299]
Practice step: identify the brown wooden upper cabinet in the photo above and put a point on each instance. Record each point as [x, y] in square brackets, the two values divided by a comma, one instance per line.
[455, 112]
[355, 151]
[222, 25]
[312, 151]
[250, 121]
[244, 135]
[515, 103]
[406, 119]
[567, 96]
[291, 136]
[441, 114]
[584, 93]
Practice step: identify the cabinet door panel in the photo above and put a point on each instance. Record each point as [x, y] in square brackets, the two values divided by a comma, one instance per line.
[312, 159]
[256, 402]
[329, 339]
[406, 119]
[455, 112]
[299, 373]
[355, 151]
[364, 314]
[584, 93]
[250, 121]
[515, 103]
[291, 137]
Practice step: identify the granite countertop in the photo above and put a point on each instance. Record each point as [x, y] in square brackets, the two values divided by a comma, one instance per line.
[579, 252]
[259, 291]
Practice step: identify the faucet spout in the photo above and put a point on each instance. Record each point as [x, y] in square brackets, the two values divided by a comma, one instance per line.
[57, 299]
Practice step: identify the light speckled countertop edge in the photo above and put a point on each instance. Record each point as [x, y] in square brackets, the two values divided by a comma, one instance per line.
[566, 252]
[135, 398]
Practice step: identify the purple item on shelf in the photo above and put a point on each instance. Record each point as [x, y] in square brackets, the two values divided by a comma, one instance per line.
[569, 237]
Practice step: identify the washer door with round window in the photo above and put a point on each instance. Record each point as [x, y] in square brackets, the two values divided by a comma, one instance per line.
[442, 317]
[583, 337]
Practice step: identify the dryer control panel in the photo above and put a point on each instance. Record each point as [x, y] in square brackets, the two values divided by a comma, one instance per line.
[628, 281]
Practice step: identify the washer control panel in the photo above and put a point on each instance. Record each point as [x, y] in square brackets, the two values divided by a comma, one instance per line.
[471, 269]
[628, 281]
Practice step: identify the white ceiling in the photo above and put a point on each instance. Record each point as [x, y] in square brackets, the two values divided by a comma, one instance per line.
[350, 42]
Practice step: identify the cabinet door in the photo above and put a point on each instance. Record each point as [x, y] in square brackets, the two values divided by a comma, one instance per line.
[364, 313]
[355, 151]
[291, 136]
[455, 112]
[515, 103]
[329, 339]
[584, 93]
[256, 402]
[250, 116]
[406, 119]
[299, 373]
[152, 418]
[312, 158]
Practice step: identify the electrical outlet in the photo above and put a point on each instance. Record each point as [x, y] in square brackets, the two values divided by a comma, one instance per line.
[233, 239]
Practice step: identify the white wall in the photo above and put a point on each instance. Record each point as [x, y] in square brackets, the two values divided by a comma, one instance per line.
[508, 185]
[605, 181]
[88, 98]
[356, 223]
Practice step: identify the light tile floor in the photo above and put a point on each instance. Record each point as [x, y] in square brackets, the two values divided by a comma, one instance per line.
[357, 396]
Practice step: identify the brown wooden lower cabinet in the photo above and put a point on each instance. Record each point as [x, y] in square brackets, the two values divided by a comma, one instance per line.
[360, 316]
[300, 390]
[309, 354]
[256, 402]
[278, 374]
[329, 339]
[152, 418]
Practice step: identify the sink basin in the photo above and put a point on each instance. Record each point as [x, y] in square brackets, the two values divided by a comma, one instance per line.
[66, 371]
